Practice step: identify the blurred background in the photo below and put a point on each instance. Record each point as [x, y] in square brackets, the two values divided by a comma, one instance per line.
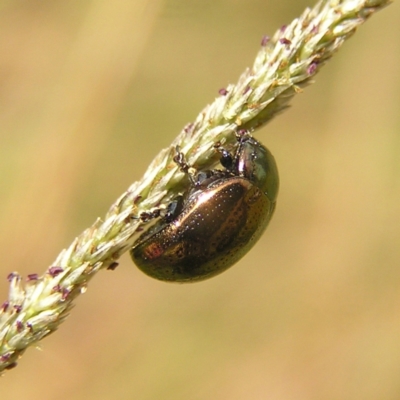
[90, 91]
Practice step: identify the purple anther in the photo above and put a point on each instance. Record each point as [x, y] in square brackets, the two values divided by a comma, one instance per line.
[54, 271]
[11, 276]
[112, 266]
[285, 41]
[32, 277]
[5, 306]
[20, 326]
[17, 308]
[65, 293]
[137, 199]
[5, 357]
[312, 68]
[56, 289]
[188, 128]
[265, 40]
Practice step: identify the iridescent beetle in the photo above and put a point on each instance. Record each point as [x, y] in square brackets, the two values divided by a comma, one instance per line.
[217, 221]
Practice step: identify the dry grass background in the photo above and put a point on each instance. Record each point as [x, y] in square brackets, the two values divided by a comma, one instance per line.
[89, 93]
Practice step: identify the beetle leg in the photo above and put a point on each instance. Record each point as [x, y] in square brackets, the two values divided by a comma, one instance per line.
[180, 160]
[226, 158]
[146, 216]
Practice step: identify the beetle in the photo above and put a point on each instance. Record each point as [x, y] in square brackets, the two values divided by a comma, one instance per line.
[216, 221]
